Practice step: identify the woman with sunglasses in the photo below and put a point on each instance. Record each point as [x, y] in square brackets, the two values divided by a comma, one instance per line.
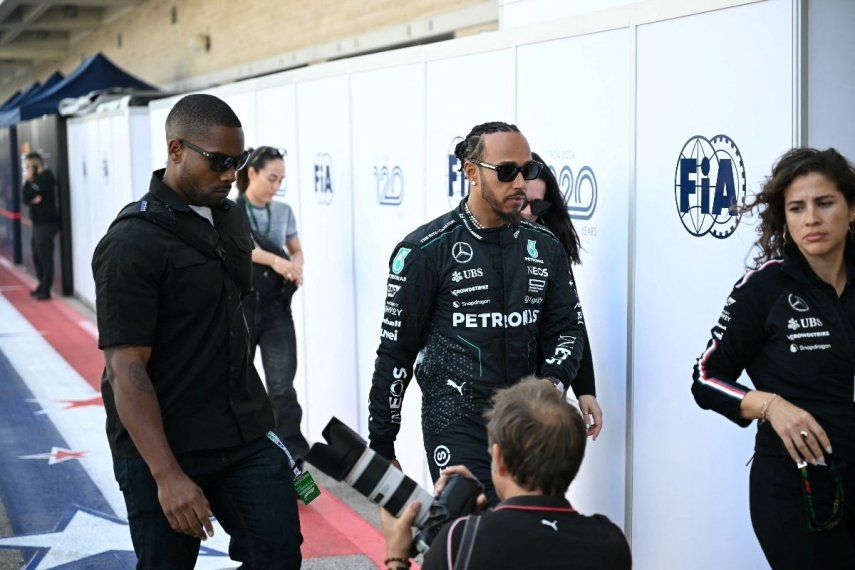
[790, 324]
[277, 270]
[544, 206]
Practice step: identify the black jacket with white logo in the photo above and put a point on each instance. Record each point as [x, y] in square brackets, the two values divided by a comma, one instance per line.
[789, 330]
[482, 304]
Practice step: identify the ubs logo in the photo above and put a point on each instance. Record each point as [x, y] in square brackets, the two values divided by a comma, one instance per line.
[458, 186]
[323, 178]
[706, 209]
[579, 190]
[389, 184]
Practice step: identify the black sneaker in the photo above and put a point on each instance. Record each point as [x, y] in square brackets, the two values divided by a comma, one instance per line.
[42, 296]
[35, 292]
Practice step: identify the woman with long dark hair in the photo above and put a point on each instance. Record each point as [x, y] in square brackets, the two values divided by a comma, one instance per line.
[277, 271]
[545, 205]
[790, 324]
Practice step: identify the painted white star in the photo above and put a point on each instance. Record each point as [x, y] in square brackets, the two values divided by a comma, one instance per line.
[56, 455]
[89, 533]
[86, 534]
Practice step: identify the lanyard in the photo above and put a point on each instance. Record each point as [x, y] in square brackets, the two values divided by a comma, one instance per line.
[275, 439]
[249, 210]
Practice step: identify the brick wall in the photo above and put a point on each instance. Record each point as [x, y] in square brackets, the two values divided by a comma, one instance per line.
[240, 31]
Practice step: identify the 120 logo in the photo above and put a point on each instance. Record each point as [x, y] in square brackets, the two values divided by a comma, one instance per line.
[579, 190]
[389, 183]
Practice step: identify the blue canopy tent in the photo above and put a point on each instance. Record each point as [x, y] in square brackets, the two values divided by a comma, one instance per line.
[14, 97]
[95, 73]
[9, 114]
[21, 96]
[34, 124]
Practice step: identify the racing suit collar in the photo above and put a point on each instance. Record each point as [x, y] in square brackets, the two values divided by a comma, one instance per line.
[502, 234]
[797, 266]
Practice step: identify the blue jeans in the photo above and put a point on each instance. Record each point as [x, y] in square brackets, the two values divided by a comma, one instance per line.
[250, 491]
[271, 329]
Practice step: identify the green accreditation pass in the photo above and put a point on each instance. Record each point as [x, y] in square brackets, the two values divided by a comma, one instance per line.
[305, 486]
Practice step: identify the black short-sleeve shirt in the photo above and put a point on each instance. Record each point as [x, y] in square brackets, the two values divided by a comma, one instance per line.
[534, 532]
[154, 289]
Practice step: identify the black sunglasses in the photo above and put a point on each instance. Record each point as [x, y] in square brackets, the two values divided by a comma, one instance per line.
[507, 171]
[220, 162]
[269, 151]
[539, 207]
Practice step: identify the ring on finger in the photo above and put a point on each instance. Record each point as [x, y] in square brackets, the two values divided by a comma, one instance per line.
[803, 433]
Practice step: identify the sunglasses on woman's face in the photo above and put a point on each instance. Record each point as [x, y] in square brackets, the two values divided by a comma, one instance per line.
[220, 162]
[507, 171]
[539, 207]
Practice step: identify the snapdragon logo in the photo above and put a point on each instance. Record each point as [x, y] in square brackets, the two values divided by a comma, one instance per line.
[704, 208]
[389, 183]
[458, 186]
[323, 178]
[494, 320]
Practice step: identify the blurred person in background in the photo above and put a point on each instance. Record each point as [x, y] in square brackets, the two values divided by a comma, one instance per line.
[39, 194]
[790, 324]
[277, 271]
[545, 206]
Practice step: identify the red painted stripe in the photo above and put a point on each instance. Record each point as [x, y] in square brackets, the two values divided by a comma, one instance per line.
[329, 526]
[10, 214]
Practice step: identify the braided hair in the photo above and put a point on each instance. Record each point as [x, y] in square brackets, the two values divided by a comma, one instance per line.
[472, 146]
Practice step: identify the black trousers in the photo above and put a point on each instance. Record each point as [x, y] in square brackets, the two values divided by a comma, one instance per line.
[779, 516]
[271, 329]
[42, 246]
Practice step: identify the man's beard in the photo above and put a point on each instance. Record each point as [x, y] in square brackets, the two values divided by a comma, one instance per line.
[198, 196]
[512, 217]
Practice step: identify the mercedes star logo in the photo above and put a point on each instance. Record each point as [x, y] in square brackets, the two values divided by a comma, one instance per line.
[461, 252]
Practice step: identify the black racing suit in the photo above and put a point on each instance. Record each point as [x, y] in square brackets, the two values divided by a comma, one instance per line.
[795, 337]
[483, 304]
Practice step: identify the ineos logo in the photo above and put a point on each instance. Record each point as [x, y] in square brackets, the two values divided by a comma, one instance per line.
[798, 303]
[461, 252]
[441, 456]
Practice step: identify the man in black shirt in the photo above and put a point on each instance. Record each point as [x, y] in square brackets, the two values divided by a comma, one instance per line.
[537, 441]
[40, 195]
[186, 411]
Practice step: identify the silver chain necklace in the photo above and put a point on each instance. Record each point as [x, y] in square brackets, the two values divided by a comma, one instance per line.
[472, 216]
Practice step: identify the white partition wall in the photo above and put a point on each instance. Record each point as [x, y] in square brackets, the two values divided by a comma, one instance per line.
[578, 121]
[455, 102]
[388, 192]
[276, 123]
[326, 198]
[108, 157]
[690, 482]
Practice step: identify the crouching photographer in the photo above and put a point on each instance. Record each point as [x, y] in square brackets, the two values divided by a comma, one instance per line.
[537, 441]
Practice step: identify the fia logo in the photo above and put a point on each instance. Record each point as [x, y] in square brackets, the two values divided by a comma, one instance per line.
[458, 185]
[714, 210]
[579, 190]
[389, 184]
[323, 178]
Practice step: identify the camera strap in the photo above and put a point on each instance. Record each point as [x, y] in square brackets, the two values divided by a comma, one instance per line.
[467, 543]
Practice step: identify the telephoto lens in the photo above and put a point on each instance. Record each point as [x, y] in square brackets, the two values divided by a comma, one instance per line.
[347, 457]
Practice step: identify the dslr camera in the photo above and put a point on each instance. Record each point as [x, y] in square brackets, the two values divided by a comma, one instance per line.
[347, 457]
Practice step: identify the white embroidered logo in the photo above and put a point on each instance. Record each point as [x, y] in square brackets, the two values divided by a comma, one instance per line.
[551, 524]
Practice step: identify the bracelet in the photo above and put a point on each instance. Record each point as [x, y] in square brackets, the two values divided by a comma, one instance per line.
[405, 561]
[766, 407]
